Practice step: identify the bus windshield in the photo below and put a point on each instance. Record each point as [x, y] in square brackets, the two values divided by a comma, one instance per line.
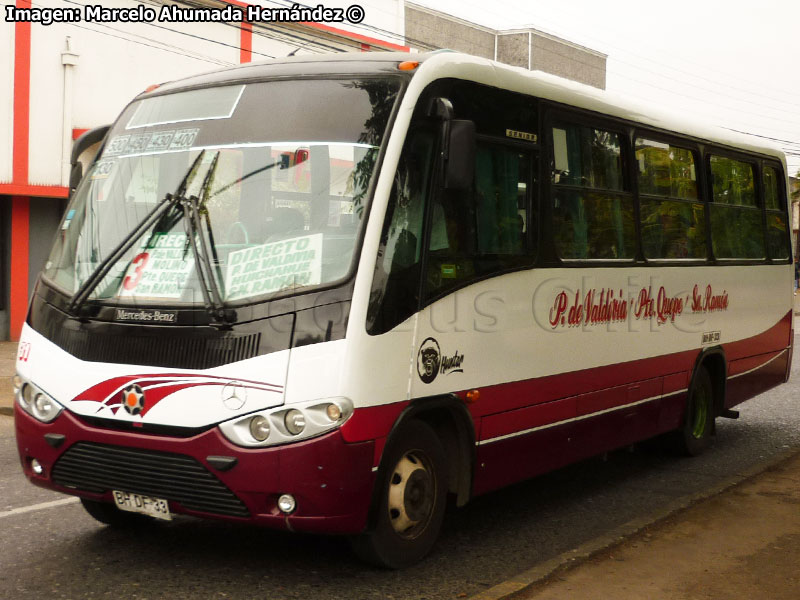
[265, 184]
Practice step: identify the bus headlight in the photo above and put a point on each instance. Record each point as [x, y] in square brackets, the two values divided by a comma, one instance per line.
[17, 381]
[282, 425]
[333, 411]
[38, 404]
[259, 428]
[26, 395]
[295, 422]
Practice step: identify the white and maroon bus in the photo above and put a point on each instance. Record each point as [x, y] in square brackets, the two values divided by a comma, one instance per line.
[326, 294]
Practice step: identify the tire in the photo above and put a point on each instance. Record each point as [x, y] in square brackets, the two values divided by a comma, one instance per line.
[110, 515]
[694, 436]
[411, 493]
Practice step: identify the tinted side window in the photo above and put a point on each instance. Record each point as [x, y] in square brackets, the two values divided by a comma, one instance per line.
[673, 224]
[587, 157]
[665, 170]
[733, 182]
[772, 195]
[395, 283]
[592, 215]
[485, 231]
[777, 225]
[736, 225]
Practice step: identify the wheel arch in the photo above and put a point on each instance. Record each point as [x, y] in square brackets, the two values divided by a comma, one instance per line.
[450, 420]
[448, 416]
[715, 362]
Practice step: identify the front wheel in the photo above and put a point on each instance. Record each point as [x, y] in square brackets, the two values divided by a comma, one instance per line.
[412, 489]
[698, 424]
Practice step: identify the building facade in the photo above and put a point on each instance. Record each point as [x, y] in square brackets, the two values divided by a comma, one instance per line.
[527, 48]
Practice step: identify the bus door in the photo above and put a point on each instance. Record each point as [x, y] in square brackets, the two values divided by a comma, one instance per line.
[473, 330]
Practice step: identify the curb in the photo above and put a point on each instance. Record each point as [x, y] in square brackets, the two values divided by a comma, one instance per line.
[540, 573]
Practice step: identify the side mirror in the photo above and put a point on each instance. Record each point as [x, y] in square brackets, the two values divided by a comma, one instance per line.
[85, 141]
[459, 169]
[458, 145]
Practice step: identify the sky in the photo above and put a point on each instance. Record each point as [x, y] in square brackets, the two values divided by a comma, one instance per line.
[732, 63]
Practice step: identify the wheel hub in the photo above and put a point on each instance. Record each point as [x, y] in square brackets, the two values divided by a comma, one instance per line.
[412, 492]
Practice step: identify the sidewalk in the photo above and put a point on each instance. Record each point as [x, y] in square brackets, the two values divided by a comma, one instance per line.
[8, 359]
[741, 543]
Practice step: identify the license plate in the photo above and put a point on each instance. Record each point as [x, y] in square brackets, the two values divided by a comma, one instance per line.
[146, 505]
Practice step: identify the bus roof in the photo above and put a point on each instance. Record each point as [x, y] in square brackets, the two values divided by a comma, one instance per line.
[446, 63]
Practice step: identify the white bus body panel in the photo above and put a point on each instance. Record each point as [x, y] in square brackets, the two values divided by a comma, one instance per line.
[173, 397]
[501, 330]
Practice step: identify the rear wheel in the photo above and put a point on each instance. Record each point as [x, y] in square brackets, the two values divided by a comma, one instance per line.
[110, 515]
[411, 502]
[695, 434]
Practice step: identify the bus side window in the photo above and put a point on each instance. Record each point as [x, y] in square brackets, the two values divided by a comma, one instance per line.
[736, 227]
[395, 283]
[777, 225]
[486, 231]
[673, 220]
[592, 210]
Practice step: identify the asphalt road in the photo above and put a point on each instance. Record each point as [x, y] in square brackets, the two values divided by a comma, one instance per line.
[60, 552]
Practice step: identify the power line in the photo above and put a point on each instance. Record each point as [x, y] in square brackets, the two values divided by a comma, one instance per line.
[260, 30]
[191, 35]
[156, 44]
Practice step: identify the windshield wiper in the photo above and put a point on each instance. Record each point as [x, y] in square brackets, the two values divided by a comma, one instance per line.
[88, 286]
[248, 176]
[209, 284]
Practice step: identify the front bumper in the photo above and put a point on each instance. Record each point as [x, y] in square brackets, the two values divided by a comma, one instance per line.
[330, 479]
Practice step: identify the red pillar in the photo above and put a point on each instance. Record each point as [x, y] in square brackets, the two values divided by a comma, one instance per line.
[18, 301]
[22, 95]
[246, 43]
[20, 206]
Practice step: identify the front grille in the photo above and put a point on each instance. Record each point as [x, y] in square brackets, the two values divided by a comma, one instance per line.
[99, 468]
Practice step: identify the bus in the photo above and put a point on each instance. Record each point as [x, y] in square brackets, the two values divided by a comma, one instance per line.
[336, 294]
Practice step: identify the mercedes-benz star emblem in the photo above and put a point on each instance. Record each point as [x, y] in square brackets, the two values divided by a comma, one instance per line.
[234, 395]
